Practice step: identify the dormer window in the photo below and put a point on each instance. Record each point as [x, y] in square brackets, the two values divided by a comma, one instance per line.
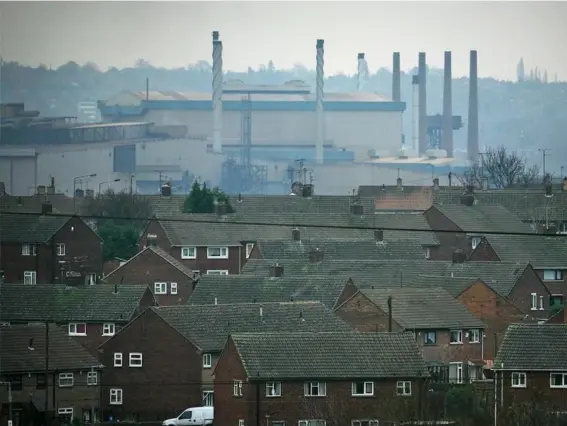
[475, 241]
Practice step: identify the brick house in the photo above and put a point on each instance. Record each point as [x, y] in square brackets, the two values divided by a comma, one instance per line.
[40, 248]
[531, 367]
[170, 281]
[445, 331]
[91, 314]
[329, 290]
[68, 388]
[310, 378]
[180, 345]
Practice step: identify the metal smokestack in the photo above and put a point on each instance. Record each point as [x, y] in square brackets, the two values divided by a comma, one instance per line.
[396, 79]
[447, 126]
[422, 103]
[472, 127]
[319, 102]
[361, 72]
[415, 113]
[217, 93]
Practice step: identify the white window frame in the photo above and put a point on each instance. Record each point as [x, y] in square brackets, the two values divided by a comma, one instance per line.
[564, 378]
[60, 249]
[475, 335]
[427, 333]
[207, 361]
[237, 388]
[92, 378]
[475, 241]
[533, 306]
[519, 379]
[562, 228]
[65, 411]
[541, 304]
[118, 359]
[108, 329]
[320, 386]
[223, 252]
[135, 360]
[160, 287]
[217, 271]
[66, 380]
[173, 288]
[240, 422]
[365, 391]
[403, 388]
[74, 325]
[459, 341]
[273, 389]
[186, 252]
[29, 249]
[90, 278]
[459, 369]
[117, 394]
[427, 256]
[317, 422]
[208, 394]
[557, 275]
[249, 248]
[30, 277]
[364, 423]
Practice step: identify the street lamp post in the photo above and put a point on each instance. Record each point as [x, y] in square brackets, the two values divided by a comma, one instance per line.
[103, 183]
[131, 179]
[75, 179]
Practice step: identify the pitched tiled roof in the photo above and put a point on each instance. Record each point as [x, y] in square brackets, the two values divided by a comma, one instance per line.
[29, 228]
[329, 355]
[542, 251]
[60, 304]
[208, 326]
[161, 253]
[32, 204]
[65, 353]
[263, 289]
[528, 347]
[417, 308]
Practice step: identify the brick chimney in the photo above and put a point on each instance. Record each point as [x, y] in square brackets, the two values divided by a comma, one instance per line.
[276, 271]
[315, 255]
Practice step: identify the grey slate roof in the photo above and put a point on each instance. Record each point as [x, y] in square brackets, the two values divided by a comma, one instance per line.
[541, 251]
[29, 228]
[418, 308]
[334, 355]
[208, 326]
[33, 203]
[58, 303]
[65, 353]
[263, 289]
[533, 347]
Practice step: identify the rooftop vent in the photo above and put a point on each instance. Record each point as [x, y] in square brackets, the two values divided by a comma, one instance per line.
[296, 235]
[459, 256]
[316, 255]
[276, 271]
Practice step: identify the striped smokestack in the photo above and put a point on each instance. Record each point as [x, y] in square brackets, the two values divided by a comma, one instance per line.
[415, 113]
[217, 93]
[320, 137]
[422, 103]
[447, 125]
[396, 79]
[472, 126]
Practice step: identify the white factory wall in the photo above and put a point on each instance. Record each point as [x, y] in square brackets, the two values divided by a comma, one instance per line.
[18, 174]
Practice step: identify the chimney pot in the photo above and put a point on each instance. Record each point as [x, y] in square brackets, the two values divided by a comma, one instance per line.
[379, 235]
[436, 183]
[276, 271]
[399, 183]
[316, 255]
[296, 235]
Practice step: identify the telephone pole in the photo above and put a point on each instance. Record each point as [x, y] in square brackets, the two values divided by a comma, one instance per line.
[544, 154]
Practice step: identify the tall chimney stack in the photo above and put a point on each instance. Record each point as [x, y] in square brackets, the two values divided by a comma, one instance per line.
[447, 126]
[361, 72]
[319, 102]
[472, 126]
[217, 93]
[415, 114]
[422, 103]
[396, 79]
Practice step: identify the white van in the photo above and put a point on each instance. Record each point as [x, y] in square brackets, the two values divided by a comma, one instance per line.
[198, 416]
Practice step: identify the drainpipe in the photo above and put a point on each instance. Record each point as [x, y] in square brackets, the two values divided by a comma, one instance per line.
[258, 420]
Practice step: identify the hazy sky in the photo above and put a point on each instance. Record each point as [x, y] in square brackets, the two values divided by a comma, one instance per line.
[174, 34]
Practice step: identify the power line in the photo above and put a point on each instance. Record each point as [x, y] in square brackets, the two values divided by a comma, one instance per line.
[285, 225]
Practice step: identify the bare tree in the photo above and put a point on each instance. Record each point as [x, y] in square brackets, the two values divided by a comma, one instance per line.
[334, 411]
[472, 176]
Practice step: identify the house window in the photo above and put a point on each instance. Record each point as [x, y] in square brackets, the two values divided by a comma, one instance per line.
[188, 253]
[237, 388]
[160, 288]
[363, 388]
[118, 359]
[29, 250]
[77, 329]
[474, 336]
[429, 337]
[241, 422]
[562, 228]
[41, 382]
[534, 302]
[553, 275]
[29, 277]
[135, 359]
[278, 423]
[555, 301]
[315, 389]
[207, 361]
[364, 423]
[273, 389]
[65, 414]
[108, 329]
[66, 380]
[558, 380]
[90, 279]
[115, 396]
[456, 337]
[173, 288]
[249, 248]
[217, 272]
[208, 398]
[312, 423]
[92, 378]
[475, 241]
[518, 380]
[60, 249]
[15, 381]
[217, 252]
[456, 372]
[403, 388]
[541, 308]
